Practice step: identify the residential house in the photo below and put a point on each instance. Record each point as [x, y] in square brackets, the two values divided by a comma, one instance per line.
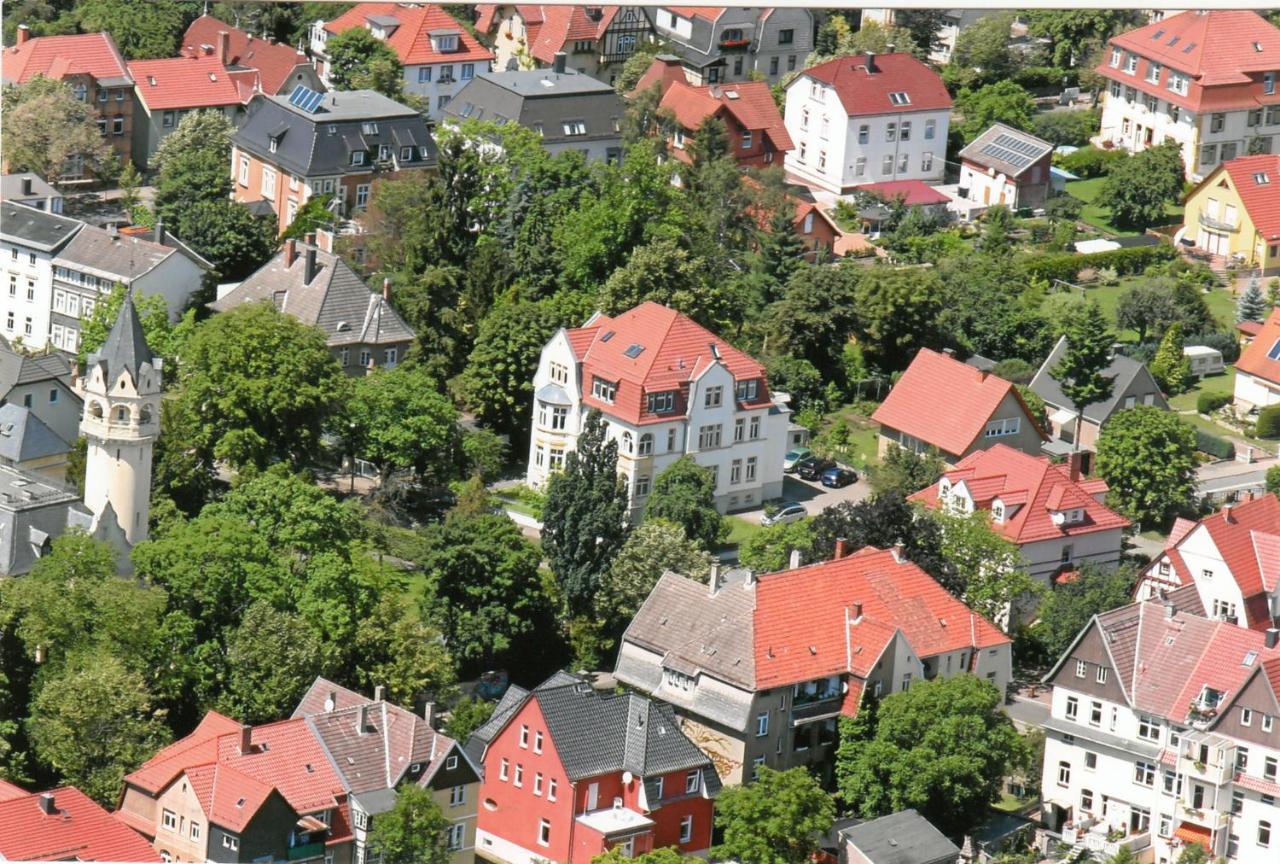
[362, 329]
[336, 144]
[94, 69]
[876, 199]
[1234, 213]
[570, 773]
[29, 240]
[568, 111]
[596, 39]
[864, 119]
[280, 67]
[1205, 80]
[1131, 385]
[1163, 734]
[30, 190]
[29, 445]
[817, 231]
[231, 792]
[944, 41]
[438, 54]
[43, 384]
[761, 667]
[63, 825]
[904, 837]
[1056, 518]
[729, 43]
[1006, 166]
[956, 409]
[751, 118]
[378, 747]
[1231, 557]
[1258, 368]
[169, 89]
[666, 387]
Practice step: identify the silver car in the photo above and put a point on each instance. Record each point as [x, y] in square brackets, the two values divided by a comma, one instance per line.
[788, 512]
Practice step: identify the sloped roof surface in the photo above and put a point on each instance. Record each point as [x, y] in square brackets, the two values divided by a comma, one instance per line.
[36, 228]
[16, 369]
[411, 40]
[911, 192]
[119, 256]
[1257, 182]
[1009, 151]
[861, 92]
[126, 345]
[1217, 46]
[196, 748]
[25, 436]
[904, 837]
[1254, 359]
[186, 82]
[750, 103]
[510, 702]
[80, 830]
[1122, 370]
[273, 61]
[707, 13]
[93, 54]
[315, 700]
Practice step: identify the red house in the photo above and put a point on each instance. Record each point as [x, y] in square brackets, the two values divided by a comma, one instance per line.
[570, 773]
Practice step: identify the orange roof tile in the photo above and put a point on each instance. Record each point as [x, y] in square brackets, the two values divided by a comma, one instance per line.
[187, 82]
[1257, 182]
[198, 747]
[750, 103]
[412, 39]
[707, 13]
[274, 61]
[1254, 359]
[664, 71]
[80, 830]
[910, 192]
[863, 93]
[92, 54]
[8, 791]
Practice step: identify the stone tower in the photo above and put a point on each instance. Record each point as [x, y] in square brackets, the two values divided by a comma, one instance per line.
[121, 421]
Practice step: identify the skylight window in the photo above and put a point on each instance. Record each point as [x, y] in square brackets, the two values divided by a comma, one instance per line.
[1261, 178]
[1174, 41]
[1274, 353]
[609, 335]
[1159, 33]
[1249, 658]
[1257, 46]
[633, 351]
[1191, 46]
[899, 97]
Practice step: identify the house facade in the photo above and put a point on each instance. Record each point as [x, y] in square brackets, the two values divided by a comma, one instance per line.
[29, 240]
[169, 89]
[729, 43]
[596, 39]
[1205, 80]
[1258, 368]
[666, 388]
[42, 383]
[30, 190]
[1163, 734]
[867, 119]
[1006, 166]
[280, 67]
[1233, 213]
[956, 409]
[438, 54]
[336, 144]
[94, 69]
[761, 667]
[570, 773]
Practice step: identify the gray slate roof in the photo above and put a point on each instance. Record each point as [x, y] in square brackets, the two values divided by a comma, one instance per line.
[112, 255]
[25, 436]
[1009, 151]
[16, 369]
[904, 837]
[481, 737]
[126, 345]
[541, 98]
[11, 187]
[36, 228]
[1123, 369]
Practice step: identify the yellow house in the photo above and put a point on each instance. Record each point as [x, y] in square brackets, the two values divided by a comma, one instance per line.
[1235, 212]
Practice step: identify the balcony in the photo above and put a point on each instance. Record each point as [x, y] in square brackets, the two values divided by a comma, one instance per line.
[735, 44]
[815, 709]
[313, 849]
[1105, 839]
[1216, 224]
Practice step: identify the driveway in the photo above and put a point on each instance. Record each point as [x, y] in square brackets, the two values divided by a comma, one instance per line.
[813, 495]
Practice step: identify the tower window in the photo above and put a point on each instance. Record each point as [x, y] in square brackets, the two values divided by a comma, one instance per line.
[122, 414]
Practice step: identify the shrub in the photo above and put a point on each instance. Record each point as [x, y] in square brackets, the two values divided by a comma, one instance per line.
[1091, 161]
[1207, 403]
[1124, 262]
[1015, 369]
[1048, 78]
[1066, 127]
[1219, 448]
[1269, 422]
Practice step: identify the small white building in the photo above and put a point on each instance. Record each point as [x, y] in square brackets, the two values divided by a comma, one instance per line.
[1204, 360]
[666, 387]
[867, 119]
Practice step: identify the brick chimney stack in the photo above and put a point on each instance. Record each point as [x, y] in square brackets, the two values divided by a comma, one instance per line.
[224, 46]
[290, 252]
[24, 33]
[246, 739]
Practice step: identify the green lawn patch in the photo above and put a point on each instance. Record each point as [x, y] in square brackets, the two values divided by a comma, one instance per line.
[1010, 803]
[1219, 300]
[740, 530]
[1225, 383]
[1087, 191]
[858, 446]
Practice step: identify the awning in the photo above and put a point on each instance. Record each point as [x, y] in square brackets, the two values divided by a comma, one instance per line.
[1063, 417]
[1190, 833]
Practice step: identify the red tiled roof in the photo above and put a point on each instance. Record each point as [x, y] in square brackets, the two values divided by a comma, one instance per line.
[912, 192]
[661, 73]
[1189, 832]
[81, 830]
[1181, 527]
[287, 756]
[707, 13]
[187, 82]
[8, 791]
[1036, 485]
[93, 54]
[197, 748]
[563, 24]
[1254, 359]
[676, 351]
[412, 40]
[805, 624]
[944, 402]
[274, 61]
[1261, 200]
[1249, 328]
[749, 102]
[862, 93]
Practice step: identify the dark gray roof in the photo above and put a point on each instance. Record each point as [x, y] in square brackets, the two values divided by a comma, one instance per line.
[904, 837]
[25, 436]
[126, 345]
[1009, 151]
[1123, 369]
[36, 228]
[541, 98]
[321, 143]
[11, 187]
[507, 705]
[16, 368]
[112, 255]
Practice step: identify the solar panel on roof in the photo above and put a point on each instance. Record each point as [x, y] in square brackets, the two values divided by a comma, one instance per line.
[1274, 353]
[304, 98]
[1004, 154]
[633, 351]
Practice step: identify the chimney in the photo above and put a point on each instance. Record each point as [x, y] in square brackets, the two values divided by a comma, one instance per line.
[890, 48]
[1170, 608]
[47, 804]
[1226, 513]
[378, 693]
[871, 63]
[246, 739]
[429, 713]
[857, 612]
[386, 288]
[26, 181]
[558, 65]
[309, 238]
[224, 46]
[795, 559]
[1272, 636]
[713, 579]
[362, 719]
[324, 241]
[24, 33]
[897, 553]
[309, 268]
[1074, 460]
[160, 232]
[842, 549]
[290, 252]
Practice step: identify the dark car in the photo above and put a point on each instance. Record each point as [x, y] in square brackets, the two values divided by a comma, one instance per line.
[837, 478]
[812, 467]
[492, 685]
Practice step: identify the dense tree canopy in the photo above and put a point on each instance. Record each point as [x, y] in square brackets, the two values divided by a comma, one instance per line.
[45, 125]
[1147, 457]
[684, 494]
[778, 819]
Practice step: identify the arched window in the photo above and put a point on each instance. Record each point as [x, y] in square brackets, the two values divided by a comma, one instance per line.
[95, 410]
[145, 415]
[646, 444]
[628, 442]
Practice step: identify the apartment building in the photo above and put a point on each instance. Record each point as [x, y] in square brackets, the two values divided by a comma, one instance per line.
[1163, 734]
[1205, 80]
[596, 39]
[280, 67]
[29, 240]
[730, 43]
[666, 387]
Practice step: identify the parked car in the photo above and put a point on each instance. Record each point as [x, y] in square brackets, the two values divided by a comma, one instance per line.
[789, 511]
[492, 685]
[837, 477]
[813, 467]
[793, 456]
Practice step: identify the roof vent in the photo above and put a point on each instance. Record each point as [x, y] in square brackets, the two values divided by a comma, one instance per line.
[213, 77]
[715, 350]
[1257, 46]
[813, 649]
[607, 336]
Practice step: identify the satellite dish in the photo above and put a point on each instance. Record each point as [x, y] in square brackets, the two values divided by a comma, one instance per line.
[626, 778]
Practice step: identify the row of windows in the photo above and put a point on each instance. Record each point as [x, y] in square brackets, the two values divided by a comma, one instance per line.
[117, 125]
[468, 71]
[517, 779]
[903, 162]
[27, 326]
[390, 356]
[171, 821]
[31, 256]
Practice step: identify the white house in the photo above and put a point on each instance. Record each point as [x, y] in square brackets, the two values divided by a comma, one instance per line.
[1258, 369]
[666, 387]
[29, 238]
[728, 43]
[866, 119]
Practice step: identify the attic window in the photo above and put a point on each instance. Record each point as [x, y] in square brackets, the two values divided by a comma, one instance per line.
[731, 94]
[899, 97]
[1249, 658]
[415, 768]
[1174, 40]
[1261, 178]
[633, 351]
[151, 79]
[369, 128]
[310, 768]
[607, 336]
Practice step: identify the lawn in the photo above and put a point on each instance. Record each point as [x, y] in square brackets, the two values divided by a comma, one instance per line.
[1100, 217]
[860, 447]
[1222, 304]
[1225, 383]
[740, 530]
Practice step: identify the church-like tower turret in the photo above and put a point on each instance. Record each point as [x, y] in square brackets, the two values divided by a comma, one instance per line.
[122, 391]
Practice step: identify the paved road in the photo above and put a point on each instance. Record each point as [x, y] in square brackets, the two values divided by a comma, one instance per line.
[1219, 479]
[1027, 713]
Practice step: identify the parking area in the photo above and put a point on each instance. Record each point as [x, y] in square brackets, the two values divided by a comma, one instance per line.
[813, 495]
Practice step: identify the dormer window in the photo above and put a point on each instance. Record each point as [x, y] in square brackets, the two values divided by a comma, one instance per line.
[746, 390]
[944, 487]
[997, 511]
[603, 390]
[446, 42]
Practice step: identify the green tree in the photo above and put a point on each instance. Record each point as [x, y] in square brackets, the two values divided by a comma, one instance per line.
[1170, 367]
[984, 48]
[1074, 34]
[1088, 354]
[165, 339]
[1194, 853]
[1070, 606]
[635, 67]
[466, 717]
[92, 722]
[684, 493]
[815, 317]
[778, 819]
[653, 548]
[145, 31]
[1272, 480]
[997, 223]
[1001, 102]
[1147, 457]
[1251, 306]
[396, 649]
[313, 216]
[896, 314]
[400, 420]
[1146, 307]
[259, 386]
[271, 658]
[943, 747]
[584, 517]
[413, 831]
[769, 549]
[988, 565]
[883, 521]
[781, 249]
[924, 25]
[191, 165]
[359, 60]
[905, 471]
[46, 125]
[664, 272]
[129, 182]
[661, 855]
[1138, 189]
[229, 235]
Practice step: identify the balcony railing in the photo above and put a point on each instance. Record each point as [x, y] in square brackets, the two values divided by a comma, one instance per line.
[734, 44]
[307, 850]
[1216, 224]
[814, 707]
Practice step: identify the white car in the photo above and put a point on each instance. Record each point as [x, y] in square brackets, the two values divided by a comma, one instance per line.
[788, 512]
[791, 457]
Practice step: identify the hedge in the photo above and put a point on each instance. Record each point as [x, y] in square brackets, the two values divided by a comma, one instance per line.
[1207, 403]
[1125, 261]
[1090, 161]
[1269, 422]
[1219, 448]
